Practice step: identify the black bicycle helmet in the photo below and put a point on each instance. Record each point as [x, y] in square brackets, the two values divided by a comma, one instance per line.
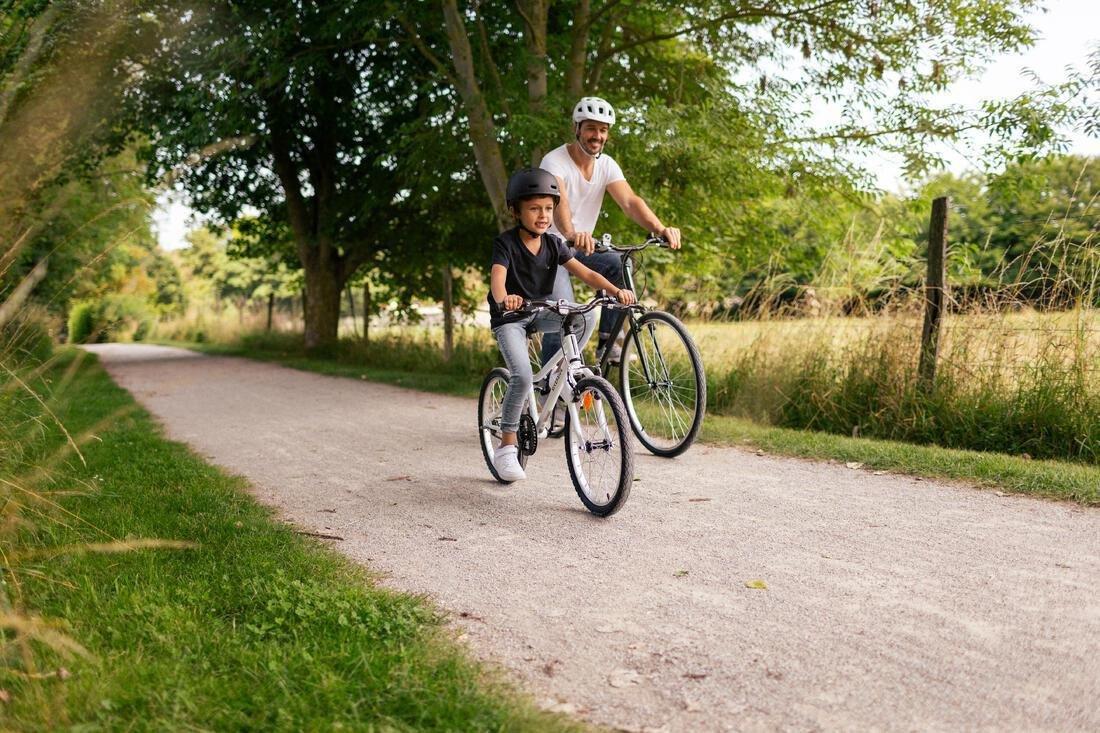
[532, 182]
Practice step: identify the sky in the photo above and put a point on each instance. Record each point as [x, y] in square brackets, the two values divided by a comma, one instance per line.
[1067, 31]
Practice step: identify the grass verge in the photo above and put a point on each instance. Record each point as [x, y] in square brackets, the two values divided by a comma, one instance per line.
[254, 628]
[1049, 479]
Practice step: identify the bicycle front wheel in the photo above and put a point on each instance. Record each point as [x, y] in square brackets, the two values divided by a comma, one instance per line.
[663, 386]
[598, 447]
[489, 406]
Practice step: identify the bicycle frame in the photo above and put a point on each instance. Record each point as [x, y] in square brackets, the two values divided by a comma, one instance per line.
[624, 317]
[569, 367]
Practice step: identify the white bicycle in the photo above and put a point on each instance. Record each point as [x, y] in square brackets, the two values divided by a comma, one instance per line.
[598, 445]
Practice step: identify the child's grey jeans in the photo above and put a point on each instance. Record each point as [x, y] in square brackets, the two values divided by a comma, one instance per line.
[512, 339]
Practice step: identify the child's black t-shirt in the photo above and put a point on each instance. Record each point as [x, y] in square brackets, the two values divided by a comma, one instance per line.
[529, 275]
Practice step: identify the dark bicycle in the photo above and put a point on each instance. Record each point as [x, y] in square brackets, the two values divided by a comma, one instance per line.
[661, 377]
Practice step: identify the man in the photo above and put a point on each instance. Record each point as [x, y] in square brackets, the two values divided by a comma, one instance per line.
[584, 174]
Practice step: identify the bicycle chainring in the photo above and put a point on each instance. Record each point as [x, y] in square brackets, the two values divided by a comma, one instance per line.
[527, 436]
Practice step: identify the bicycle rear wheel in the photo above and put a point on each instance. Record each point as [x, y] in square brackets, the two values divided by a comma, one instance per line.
[663, 386]
[598, 448]
[489, 405]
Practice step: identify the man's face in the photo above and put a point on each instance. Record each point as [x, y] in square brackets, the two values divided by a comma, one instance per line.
[592, 136]
[536, 213]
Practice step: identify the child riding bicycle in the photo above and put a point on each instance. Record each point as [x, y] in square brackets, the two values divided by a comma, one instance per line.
[524, 265]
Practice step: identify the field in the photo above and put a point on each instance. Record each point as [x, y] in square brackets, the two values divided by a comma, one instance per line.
[1024, 382]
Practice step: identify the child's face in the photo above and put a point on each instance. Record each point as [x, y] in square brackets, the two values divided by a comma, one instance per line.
[536, 213]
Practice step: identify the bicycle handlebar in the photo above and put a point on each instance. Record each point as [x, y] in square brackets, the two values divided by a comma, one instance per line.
[565, 307]
[604, 244]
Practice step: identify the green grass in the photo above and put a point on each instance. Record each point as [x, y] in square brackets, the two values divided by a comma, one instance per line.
[1046, 478]
[255, 628]
[428, 381]
[1049, 479]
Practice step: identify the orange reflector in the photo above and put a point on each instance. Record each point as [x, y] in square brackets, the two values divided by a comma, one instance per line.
[586, 400]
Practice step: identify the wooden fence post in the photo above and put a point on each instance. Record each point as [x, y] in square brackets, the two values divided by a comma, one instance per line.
[366, 311]
[351, 307]
[935, 292]
[448, 313]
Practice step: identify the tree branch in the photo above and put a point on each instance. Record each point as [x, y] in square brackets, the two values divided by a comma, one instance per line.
[606, 8]
[494, 72]
[352, 260]
[426, 52]
[297, 209]
[864, 135]
[752, 12]
[226, 145]
[28, 57]
[490, 163]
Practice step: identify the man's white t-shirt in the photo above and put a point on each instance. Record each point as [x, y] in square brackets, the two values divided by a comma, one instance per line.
[585, 197]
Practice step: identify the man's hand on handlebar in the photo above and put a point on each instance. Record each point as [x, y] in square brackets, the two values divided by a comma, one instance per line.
[584, 242]
[512, 302]
[672, 235]
[626, 297]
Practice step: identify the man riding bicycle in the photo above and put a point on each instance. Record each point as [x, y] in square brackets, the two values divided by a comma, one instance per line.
[584, 174]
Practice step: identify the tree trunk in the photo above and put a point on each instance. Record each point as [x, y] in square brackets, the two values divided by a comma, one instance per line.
[578, 52]
[490, 162]
[448, 314]
[535, 14]
[366, 312]
[270, 310]
[322, 307]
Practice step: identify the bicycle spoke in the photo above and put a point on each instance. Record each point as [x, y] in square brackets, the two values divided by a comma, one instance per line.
[596, 446]
[662, 385]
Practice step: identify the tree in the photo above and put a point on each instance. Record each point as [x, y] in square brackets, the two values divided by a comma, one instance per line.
[59, 85]
[218, 275]
[288, 110]
[712, 88]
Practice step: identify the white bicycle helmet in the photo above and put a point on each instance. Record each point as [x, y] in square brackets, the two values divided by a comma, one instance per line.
[593, 108]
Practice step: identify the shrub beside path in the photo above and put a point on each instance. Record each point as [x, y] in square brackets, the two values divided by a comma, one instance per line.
[734, 590]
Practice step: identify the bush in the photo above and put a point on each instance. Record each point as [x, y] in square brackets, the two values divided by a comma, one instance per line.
[116, 317]
[81, 322]
[141, 332]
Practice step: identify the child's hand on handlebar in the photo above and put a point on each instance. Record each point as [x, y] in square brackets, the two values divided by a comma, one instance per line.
[512, 302]
[626, 297]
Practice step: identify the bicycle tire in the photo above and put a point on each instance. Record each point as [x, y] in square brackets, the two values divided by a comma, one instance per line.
[595, 452]
[489, 403]
[664, 387]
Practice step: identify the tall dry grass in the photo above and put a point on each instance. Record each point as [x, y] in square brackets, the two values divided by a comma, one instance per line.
[53, 98]
[1018, 368]
[27, 496]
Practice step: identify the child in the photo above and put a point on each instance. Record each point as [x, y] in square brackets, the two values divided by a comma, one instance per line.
[525, 263]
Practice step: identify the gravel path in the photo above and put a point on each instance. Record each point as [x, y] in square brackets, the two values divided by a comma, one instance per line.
[890, 603]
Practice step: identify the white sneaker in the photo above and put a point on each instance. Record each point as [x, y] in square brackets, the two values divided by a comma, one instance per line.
[506, 462]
